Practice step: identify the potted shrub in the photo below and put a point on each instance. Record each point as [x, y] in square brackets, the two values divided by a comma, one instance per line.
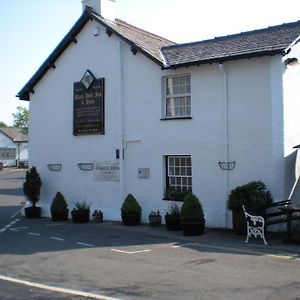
[81, 212]
[32, 188]
[256, 198]
[131, 211]
[97, 216]
[172, 217]
[59, 208]
[192, 216]
[154, 218]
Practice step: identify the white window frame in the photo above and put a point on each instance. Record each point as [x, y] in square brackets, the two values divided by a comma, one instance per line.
[175, 110]
[179, 175]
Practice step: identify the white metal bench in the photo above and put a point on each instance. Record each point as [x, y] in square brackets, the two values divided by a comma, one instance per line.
[255, 226]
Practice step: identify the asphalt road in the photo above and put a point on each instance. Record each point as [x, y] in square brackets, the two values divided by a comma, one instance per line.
[136, 263]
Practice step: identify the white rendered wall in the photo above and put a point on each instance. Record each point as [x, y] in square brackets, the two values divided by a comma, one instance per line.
[51, 109]
[291, 92]
[137, 82]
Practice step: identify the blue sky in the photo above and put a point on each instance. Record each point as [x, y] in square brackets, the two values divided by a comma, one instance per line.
[31, 29]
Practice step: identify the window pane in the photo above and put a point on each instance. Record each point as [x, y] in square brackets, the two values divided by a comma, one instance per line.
[171, 161]
[189, 161]
[176, 86]
[189, 171]
[180, 172]
[188, 79]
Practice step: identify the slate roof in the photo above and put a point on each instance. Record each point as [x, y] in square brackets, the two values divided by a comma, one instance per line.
[16, 134]
[167, 54]
[267, 41]
[141, 40]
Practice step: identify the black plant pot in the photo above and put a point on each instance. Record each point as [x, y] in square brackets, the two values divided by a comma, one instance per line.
[172, 222]
[193, 227]
[59, 214]
[80, 216]
[239, 222]
[154, 221]
[33, 212]
[131, 219]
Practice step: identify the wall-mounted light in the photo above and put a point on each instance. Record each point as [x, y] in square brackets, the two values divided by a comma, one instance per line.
[54, 167]
[96, 31]
[85, 166]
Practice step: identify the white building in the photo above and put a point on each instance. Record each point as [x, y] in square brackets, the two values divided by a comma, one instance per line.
[162, 114]
[13, 146]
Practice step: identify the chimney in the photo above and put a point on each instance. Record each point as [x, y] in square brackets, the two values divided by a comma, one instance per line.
[104, 8]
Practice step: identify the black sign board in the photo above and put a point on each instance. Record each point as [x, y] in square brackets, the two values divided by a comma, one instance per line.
[88, 115]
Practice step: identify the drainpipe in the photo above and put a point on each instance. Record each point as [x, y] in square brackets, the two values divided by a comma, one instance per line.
[121, 118]
[226, 137]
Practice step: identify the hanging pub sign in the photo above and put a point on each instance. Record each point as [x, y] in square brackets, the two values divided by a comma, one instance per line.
[88, 112]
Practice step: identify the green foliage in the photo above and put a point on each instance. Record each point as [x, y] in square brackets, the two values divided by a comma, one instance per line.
[97, 213]
[2, 124]
[21, 117]
[253, 195]
[131, 206]
[32, 185]
[191, 209]
[176, 195]
[82, 206]
[173, 209]
[59, 202]
[154, 213]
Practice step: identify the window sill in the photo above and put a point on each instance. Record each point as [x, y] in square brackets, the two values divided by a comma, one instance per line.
[175, 118]
[173, 200]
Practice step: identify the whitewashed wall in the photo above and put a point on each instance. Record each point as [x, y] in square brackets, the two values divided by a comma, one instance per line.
[133, 86]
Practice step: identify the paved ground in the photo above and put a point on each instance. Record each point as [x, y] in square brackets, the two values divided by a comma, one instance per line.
[113, 261]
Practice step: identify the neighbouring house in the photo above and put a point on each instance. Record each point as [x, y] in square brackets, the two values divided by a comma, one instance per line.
[115, 110]
[13, 146]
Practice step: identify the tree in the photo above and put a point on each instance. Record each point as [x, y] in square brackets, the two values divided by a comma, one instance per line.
[21, 117]
[2, 124]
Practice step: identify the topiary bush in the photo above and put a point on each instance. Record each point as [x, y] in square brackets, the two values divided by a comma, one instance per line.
[191, 209]
[192, 216]
[59, 208]
[59, 202]
[131, 206]
[32, 185]
[254, 195]
[131, 211]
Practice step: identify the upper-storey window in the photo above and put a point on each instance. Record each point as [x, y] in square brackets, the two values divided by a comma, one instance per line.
[178, 96]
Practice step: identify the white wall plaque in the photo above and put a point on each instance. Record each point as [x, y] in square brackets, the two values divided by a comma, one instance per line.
[107, 171]
[144, 173]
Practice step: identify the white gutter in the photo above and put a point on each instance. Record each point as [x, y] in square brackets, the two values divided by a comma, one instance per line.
[226, 137]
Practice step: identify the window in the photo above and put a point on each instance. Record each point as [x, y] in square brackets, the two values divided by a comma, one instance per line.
[179, 172]
[7, 153]
[178, 96]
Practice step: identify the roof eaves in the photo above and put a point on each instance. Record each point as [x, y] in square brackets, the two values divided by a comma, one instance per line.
[24, 93]
[289, 48]
[128, 41]
[222, 59]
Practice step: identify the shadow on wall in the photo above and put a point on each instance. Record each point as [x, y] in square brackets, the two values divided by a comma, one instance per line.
[292, 165]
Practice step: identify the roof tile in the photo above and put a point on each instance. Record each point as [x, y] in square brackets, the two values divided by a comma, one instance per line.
[274, 39]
